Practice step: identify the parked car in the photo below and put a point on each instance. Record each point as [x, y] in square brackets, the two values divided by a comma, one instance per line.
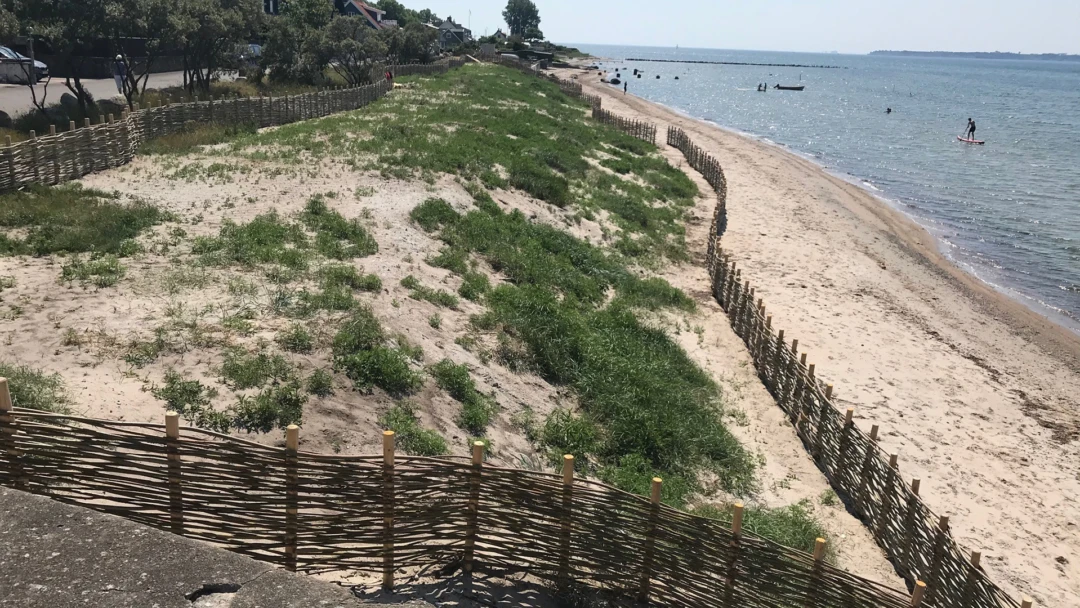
[41, 70]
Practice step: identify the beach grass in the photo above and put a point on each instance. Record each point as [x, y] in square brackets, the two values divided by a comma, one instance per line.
[574, 308]
[71, 219]
[495, 126]
[34, 389]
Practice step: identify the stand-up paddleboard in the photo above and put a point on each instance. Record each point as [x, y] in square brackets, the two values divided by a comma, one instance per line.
[971, 141]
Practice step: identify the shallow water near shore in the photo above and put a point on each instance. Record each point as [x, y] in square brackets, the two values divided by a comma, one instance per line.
[1008, 212]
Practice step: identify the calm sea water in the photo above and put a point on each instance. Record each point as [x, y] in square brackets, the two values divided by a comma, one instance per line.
[1008, 212]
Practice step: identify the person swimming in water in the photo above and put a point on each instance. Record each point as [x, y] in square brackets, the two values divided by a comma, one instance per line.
[888, 110]
[970, 129]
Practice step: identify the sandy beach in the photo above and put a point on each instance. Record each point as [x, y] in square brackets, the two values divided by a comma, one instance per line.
[971, 389]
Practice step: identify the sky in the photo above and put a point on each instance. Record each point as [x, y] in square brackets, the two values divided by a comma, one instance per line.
[847, 26]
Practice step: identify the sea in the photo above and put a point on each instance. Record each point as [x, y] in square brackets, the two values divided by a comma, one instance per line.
[1007, 212]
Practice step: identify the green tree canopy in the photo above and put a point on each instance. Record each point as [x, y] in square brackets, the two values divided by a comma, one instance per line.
[349, 46]
[521, 15]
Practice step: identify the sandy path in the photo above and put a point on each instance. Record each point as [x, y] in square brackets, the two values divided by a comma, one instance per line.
[971, 389]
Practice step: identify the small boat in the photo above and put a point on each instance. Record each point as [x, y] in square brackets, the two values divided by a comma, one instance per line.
[614, 81]
[781, 87]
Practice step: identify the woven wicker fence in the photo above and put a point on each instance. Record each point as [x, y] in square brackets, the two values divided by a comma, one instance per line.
[64, 156]
[635, 128]
[382, 514]
[917, 541]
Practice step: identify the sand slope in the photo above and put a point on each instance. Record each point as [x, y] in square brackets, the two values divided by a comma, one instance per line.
[972, 390]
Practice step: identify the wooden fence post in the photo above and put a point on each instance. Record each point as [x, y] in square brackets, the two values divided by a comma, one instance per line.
[736, 534]
[8, 430]
[10, 162]
[886, 497]
[91, 162]
[650, 540]
[841, 467]
[935, 563]
[909, 524]
[860, 497]
[823, 416]
[34, 155]
[388, 510]
[567, 519]
[819, 563]
[917, 595]
[473, 509]
[292, 494]
[176, 491]
[972, 577]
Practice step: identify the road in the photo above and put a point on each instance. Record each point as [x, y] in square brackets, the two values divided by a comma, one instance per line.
[15, 98]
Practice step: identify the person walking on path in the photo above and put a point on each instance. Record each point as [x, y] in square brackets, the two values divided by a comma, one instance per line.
[119, 73]
[624, 88]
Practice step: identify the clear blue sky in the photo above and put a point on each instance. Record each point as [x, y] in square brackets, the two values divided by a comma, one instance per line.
[848, 26]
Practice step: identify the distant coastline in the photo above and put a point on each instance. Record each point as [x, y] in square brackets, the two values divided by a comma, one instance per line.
[993, 55]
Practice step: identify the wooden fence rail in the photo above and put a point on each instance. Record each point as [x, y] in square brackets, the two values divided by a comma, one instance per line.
[59, 157]
[917, 541]
[381, 514]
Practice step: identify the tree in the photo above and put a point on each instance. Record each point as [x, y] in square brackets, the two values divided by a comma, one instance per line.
[395, 11]
[521, 15]
[9, 25]
[414, 42]
[214, 30]
[314, 14]
[160, 25]
[67, 27]
[534, 33]
[425, 16]
[350, 46]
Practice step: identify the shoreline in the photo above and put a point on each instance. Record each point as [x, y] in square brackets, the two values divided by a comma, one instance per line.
[955, 371]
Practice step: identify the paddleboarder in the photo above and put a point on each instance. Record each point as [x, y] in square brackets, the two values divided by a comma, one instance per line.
[970, 130]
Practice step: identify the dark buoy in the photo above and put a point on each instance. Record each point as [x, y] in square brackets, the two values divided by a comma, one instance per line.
[658, 77]
[676, 78]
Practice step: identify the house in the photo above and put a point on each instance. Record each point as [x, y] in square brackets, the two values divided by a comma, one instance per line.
[356, 8]
[499, 35]
[373, 15]
[452, 35]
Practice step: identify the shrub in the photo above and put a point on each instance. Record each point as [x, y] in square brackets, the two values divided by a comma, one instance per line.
[191, 399]
[477, 409]
[321, 383]
[274, 407]
[267, 239]
[337, 237]
[409, 436]
[243, 370]
[35, 390]
[102, 272]
[433, 214]
[386, 368]
[341, 275]
[296, 339]
[474, 286]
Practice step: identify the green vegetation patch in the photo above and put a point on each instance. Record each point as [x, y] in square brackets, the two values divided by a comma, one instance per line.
[242, 370]
[647, 409]
[477, 409]
[410, 436]
[103, 271]
[274, 407]
[71, 219]
[792, 526]
[270, 239]
[363, 351]
[505, 129]
[437, 297]
[195, 135]
[33, 389]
